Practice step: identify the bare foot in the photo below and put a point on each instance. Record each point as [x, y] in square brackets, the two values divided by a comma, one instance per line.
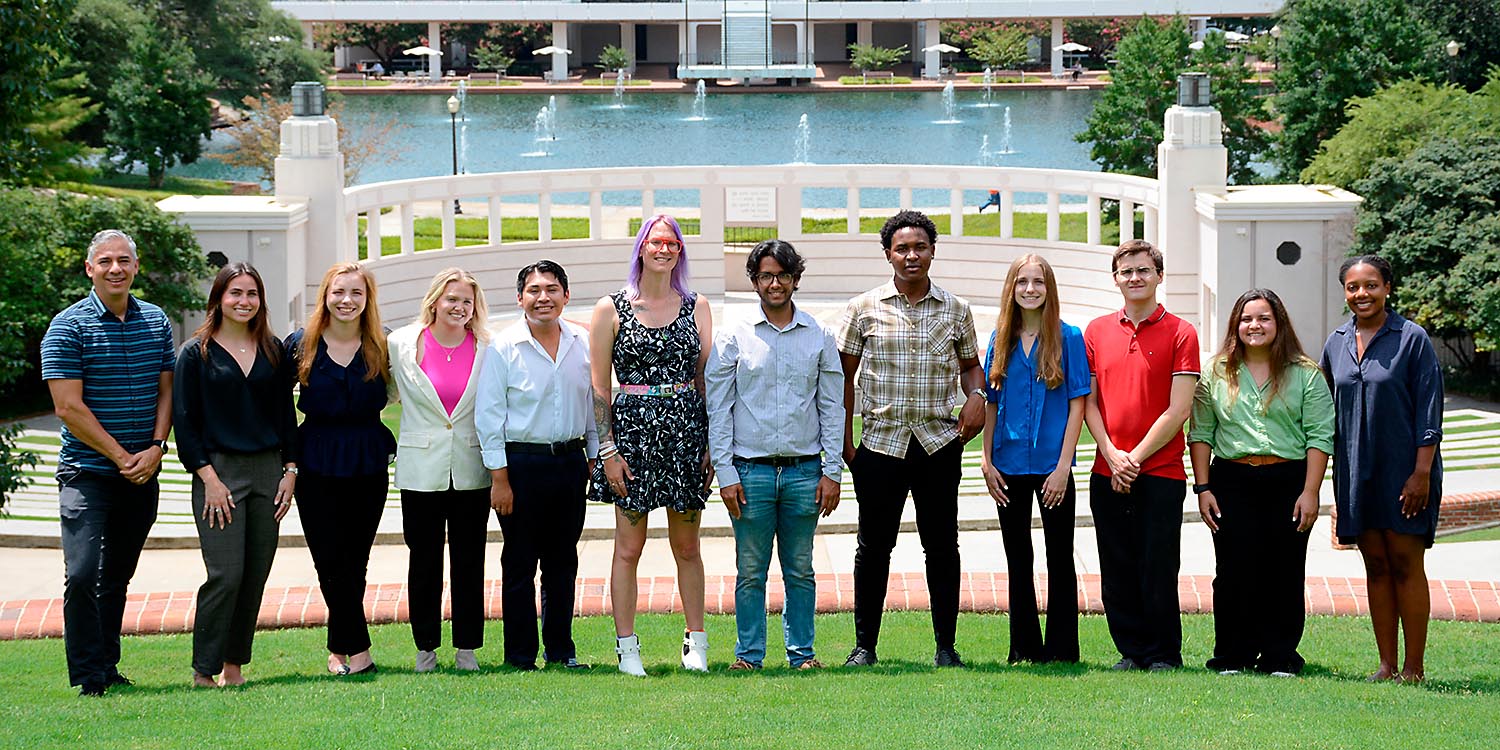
[336, 663]
[231, 677]
[1382, 674]
[203, 681]
[1411, 677]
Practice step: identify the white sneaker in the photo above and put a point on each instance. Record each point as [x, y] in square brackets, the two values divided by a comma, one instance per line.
[426, 661]
[695, 651]
[465, 661]
[629, 651]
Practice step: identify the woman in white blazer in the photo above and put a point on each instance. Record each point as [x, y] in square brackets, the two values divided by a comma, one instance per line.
[444, 486]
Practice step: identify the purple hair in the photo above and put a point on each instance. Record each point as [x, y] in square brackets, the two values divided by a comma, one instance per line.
[679, 271]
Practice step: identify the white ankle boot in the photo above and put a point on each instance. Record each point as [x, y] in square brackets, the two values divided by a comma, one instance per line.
[629, 651]
[695, 651]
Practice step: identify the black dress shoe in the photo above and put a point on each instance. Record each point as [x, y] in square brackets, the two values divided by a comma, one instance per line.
[947, 657]
[1163, 666]
[1126, 664]
[91, 690]
[569, 663]
[522, 666]
[117, 679]
[861, 657]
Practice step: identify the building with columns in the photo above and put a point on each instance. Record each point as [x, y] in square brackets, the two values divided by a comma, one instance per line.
[748, 38]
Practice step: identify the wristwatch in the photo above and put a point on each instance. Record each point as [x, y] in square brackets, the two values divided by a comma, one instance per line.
[980, 392]
[1199, 489]
[162, 444]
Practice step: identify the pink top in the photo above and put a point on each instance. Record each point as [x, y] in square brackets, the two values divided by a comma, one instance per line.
[448, 369]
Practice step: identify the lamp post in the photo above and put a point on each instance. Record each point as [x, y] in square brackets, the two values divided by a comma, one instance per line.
[453, 124]
[1276, 46]
[1452, 47]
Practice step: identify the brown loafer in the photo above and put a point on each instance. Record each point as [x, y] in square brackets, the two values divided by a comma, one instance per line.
[811, 664]
[740, 665]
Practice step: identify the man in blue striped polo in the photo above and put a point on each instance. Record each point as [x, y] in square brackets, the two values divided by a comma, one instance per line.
[108, 363]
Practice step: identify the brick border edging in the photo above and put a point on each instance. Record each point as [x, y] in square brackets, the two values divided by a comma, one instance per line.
[302, 606]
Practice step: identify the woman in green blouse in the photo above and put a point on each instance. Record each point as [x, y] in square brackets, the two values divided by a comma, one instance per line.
[1264, 416]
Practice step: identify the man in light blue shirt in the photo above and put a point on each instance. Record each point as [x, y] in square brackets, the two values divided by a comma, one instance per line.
[775, 392]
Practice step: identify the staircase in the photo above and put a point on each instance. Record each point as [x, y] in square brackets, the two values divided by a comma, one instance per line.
[746, 36]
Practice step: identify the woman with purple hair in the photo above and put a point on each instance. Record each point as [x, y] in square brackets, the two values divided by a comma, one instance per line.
[653, 435]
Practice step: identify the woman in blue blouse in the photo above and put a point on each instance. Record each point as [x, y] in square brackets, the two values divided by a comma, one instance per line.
[1038, 376]
[342, 366]
[1387, 473]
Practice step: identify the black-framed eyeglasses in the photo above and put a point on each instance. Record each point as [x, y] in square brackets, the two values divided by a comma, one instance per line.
[786, 279]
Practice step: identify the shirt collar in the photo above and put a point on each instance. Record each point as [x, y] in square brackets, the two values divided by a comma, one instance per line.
[888, 290]
[1393, 322]
[132, 307]
[1155, 316]
[799, 318]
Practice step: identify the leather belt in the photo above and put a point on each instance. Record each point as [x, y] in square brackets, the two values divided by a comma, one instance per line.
[668, 389]
[778, 461]
[548, 449]
[1259, 460]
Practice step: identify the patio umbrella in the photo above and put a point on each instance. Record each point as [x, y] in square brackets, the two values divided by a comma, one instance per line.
[1072, 47]
[1235, 36]
[552, 50]
[422, 50]
[941, 48]
[1196, 45]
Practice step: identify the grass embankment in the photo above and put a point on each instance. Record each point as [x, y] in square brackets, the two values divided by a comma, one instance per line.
[902, 702]
[882, 81]
[136, 186]
[427, 232]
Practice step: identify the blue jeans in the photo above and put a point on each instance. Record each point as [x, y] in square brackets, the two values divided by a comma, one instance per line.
[780, 504]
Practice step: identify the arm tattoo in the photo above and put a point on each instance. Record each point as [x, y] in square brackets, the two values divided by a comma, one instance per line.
[602, 419]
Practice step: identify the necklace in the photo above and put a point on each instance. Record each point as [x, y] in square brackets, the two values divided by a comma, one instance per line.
[447, 350]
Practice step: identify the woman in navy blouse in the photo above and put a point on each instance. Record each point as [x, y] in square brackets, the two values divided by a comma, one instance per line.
[232, 407]
[343, 369]
[1038, 375]
[1387, 474]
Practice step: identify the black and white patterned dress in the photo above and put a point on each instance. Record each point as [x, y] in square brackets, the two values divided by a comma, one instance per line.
[661, 438]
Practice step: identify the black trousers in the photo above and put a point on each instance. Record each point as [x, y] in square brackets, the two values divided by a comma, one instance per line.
[1026, 642]
[1260, 567]
[1140, 552]
[105, 520]
[881, 484]
[340, 516]
[237, 557]
[542, 530]
[425, 516]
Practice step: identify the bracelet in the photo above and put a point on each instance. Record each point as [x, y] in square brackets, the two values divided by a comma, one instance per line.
[285, 470]
[608, 452]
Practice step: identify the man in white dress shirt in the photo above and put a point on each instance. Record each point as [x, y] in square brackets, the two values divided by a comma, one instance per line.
[537, 434]
[775, 390]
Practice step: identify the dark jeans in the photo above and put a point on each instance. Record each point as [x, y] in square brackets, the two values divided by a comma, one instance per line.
[105, 520]
[1140, 546]
[881, 484]
[1260, 567]
[425, 517]
[238, 558]
[339, 518]
[1062, 580]
[542, 530]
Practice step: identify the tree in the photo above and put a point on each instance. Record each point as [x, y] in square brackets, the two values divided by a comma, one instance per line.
[246, 45]
[33, 40]
[1331, 51]
[868, 57]
[1475, 25]
[52, 131]
[613, 58]
[1126, 123]
[257, 138]
[489, 56]
[159, 110]
[1000, 48]
[384, 40]
[1433, 215]
[100, 29]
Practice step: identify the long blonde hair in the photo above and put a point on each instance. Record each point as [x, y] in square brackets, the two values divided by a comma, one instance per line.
[371, 333]
[428, 316]
[1008, 326]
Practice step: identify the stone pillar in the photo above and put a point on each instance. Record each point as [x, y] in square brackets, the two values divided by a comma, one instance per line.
[560, 60]
[687, 45]
[1057, 55]
[311, 168]
[1190, 159]
[810, 43]
[307, 35]
[627, 43]
[435, 41]
[864, 32]
[932, 64]
[1197, 27]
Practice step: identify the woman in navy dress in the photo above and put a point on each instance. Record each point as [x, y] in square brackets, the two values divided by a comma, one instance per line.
[1387, 474]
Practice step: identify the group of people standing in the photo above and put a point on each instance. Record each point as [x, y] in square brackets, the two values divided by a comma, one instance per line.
[528, 423]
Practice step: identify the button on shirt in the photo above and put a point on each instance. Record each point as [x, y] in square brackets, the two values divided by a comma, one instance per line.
[1133, 367]
[1299, 417]
[1030, 418]
[527, 397]
[908, 374]
[120, 363]
[774, 392]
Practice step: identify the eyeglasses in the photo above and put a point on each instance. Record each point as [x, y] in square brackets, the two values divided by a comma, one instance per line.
[786, 279]
[670, 245]
[1132, 273]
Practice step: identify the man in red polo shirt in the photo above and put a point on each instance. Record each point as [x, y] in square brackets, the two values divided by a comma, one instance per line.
[1144, 362]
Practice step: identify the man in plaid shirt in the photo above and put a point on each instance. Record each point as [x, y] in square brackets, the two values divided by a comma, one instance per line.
[916, 342]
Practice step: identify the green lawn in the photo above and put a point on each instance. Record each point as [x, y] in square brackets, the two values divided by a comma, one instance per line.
[863, 81]
[1482, 535]
[903, 702]
[135, 186]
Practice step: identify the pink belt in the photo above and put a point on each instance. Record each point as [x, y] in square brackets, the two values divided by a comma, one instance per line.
[669, 389]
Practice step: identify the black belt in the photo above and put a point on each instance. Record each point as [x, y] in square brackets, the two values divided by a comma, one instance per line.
[548, 449]
[779, 461]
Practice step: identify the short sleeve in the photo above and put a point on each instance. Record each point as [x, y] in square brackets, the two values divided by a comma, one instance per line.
[1185, 350]
[1088, 349]
[62, 351]
[966, 345]
[850, 337]
[1426, 388]
[1317, 410]
[991, 394]
[1205, 420]
[1075, 363]
[168, 352]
